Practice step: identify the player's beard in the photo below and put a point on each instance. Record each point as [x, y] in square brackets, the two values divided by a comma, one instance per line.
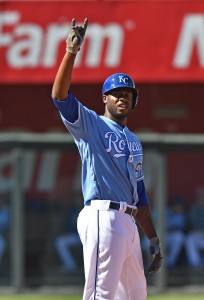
[120, 116]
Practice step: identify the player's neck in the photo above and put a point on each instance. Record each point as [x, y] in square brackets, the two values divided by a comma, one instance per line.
[120, 120]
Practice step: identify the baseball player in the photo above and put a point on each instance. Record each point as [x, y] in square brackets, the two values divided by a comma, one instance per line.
[112, 183]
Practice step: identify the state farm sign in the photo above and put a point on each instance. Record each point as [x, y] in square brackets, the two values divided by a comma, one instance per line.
[29, 45]
[147, 46]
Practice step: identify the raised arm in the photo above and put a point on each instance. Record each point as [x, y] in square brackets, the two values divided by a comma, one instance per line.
[64, 75]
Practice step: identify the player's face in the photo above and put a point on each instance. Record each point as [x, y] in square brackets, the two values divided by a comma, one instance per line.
[118, 104]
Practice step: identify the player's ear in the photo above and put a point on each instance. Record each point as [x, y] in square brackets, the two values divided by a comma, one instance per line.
[104, 98]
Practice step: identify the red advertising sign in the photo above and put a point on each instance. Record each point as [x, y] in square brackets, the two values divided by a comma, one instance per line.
[153, 41]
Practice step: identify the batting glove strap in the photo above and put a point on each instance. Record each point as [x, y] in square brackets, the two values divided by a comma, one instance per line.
[154, 246]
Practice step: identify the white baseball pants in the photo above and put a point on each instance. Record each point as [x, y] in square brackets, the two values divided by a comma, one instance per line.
[112, 255]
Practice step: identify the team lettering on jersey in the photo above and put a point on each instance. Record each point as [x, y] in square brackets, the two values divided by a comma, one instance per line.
[117, 144]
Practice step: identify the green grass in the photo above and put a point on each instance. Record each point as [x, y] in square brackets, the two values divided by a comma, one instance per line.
[68, 297]
[175, 297]
[39, 297]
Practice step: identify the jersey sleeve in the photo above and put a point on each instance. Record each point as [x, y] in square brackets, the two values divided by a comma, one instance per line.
[140, 175]
[78, 119]
[68, 108]
[142, 196]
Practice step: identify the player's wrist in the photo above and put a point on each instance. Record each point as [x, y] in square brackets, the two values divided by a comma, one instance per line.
[70, 53]
[154, 239]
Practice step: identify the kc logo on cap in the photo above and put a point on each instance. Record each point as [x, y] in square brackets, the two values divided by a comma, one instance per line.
[123, 79]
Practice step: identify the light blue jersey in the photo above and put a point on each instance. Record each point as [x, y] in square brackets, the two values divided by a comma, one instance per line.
[111, 155]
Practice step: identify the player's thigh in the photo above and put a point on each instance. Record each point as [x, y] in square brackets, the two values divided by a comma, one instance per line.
[132, 285]
[116, 231]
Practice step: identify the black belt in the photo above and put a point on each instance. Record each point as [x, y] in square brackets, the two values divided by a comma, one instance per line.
[129, 210]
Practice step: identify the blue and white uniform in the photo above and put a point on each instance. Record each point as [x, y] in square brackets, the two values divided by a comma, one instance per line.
[111, 171]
